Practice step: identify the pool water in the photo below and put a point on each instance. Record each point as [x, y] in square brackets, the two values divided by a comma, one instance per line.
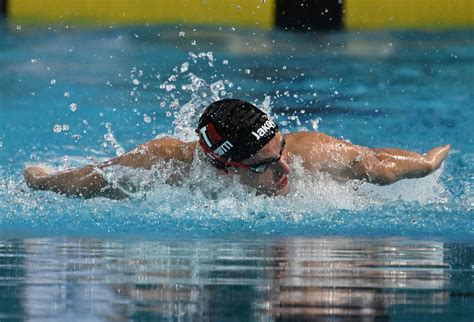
[289, 279]
[211, 249]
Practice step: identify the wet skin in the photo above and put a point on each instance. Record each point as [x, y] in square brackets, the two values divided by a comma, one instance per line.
[317, 152]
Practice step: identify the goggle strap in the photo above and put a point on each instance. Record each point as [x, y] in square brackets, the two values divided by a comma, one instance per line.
[217, 157]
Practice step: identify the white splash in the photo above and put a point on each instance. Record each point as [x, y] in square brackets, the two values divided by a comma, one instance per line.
[110, 140]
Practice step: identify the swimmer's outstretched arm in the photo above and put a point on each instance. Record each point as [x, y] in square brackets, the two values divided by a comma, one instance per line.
[344, 160]
[388, 165]
[81, 182]
[87, 182]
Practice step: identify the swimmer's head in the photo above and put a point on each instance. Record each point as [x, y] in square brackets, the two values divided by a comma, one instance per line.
[231, 130]
[239, 137]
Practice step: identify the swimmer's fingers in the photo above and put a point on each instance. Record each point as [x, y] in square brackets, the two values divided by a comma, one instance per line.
[437, 155]
[35, 176]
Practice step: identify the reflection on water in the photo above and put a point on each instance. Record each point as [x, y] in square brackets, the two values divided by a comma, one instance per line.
[218, 280]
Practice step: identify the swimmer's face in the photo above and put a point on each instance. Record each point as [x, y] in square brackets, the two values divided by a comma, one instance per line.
[274, 179]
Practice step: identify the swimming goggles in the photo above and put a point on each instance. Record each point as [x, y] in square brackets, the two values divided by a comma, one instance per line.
[259, 167]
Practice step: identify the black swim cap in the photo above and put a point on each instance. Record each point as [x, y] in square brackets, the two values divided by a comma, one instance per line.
[234, 130]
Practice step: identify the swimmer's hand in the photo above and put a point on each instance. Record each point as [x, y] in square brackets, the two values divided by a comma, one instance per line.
[36, 177]
[436, 156]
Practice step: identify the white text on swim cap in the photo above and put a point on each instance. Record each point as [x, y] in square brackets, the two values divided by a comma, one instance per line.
[267, 126]
[223, 148]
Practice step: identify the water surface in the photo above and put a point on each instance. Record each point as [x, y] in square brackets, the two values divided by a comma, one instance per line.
[219, 280]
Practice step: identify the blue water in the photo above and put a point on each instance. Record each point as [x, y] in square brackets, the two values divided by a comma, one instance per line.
[69, 97]
[297, 279]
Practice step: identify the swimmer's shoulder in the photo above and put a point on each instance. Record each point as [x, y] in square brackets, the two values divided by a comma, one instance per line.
[309, 146]
[305, 139]
[170, 148]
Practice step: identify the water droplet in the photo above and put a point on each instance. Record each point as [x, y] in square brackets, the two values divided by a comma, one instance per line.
[184, 67]
[225, 62]
[238, 7]
[315, 123]
[18, 27]
[247, 71]
[169, 87]
[34, 60]
[136, 82]
[174, 103]
[52, 82]
[67, 94]
[65, 127]
[57, 128]
[181, 34]
[73, 107]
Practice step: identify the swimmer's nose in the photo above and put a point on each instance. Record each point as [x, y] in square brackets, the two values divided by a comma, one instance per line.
[281, 168]
[284, 165]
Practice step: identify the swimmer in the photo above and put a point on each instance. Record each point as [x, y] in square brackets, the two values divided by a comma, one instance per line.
[240, 140]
